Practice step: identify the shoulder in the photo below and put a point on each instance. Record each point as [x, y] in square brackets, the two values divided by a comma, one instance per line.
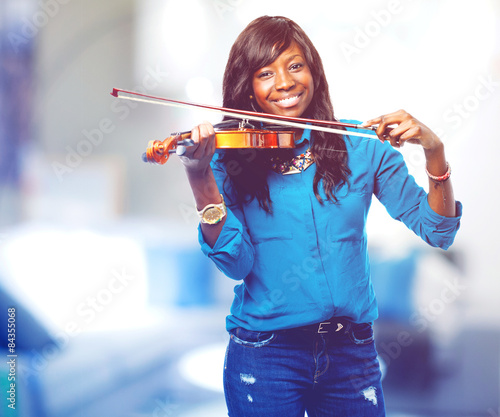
[370, 149]
[360, 144]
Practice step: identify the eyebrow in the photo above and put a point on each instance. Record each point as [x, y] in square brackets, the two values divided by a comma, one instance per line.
[288, 60]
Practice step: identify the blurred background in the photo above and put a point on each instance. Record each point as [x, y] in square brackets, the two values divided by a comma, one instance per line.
[118, 313]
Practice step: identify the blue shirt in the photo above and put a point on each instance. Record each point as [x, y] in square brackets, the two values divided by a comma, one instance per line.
[306, 262]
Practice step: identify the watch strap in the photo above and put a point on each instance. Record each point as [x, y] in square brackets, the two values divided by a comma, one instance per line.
[221, 207]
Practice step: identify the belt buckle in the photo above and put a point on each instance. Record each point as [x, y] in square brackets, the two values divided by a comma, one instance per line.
[340, 326]
[320, 326]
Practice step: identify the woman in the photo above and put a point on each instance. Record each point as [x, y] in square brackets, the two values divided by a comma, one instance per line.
[290, 225]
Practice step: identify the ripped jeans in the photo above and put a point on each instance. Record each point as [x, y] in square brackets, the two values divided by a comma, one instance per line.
[288, 372]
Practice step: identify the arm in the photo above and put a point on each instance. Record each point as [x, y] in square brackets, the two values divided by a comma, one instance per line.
[408, 129]
[227, 243]
[196, 161]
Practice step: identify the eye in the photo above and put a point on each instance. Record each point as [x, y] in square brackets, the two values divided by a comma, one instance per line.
[296, 66]
[264, 74]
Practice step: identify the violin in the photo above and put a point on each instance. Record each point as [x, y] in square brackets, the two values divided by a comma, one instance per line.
[242, 137]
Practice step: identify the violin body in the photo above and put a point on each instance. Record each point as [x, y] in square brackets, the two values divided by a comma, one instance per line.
[254, 138]
[159, 151]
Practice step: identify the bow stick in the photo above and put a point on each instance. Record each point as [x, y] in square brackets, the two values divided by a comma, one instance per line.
[249, 115]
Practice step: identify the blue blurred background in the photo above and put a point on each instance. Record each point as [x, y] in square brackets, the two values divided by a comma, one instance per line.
[117, 311]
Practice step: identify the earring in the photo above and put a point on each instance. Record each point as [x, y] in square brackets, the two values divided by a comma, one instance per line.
[251, 97]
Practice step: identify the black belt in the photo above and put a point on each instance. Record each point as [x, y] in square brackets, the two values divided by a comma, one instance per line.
[333, 325]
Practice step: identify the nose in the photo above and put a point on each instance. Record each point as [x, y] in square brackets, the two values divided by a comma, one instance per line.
[284, 81]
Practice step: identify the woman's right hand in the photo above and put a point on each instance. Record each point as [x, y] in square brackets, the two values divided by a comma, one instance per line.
[196, 159]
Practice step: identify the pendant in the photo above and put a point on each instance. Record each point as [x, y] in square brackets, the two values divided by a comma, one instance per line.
[295, 165]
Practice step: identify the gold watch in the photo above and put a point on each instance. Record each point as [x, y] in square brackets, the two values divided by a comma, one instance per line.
[213, 213]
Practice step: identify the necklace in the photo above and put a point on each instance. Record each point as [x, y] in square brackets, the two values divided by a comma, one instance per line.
[295, 165]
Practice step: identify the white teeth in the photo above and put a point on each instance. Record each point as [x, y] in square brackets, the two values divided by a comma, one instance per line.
[286, 100]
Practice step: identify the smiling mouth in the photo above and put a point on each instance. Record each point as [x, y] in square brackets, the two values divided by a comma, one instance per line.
[288, 101]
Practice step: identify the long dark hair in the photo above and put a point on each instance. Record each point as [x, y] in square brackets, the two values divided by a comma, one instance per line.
[260, 44]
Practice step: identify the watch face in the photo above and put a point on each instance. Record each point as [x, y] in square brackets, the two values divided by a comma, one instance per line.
[213, 215]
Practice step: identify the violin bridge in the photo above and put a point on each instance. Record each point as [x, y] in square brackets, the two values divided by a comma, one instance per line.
[245, 124]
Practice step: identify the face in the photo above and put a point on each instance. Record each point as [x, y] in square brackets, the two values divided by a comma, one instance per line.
[285, 86]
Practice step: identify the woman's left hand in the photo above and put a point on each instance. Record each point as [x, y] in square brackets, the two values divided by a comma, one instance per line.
[401, 127]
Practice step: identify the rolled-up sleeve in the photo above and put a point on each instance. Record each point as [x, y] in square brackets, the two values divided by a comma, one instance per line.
[439, 230]
[406, 201]
[233, 252]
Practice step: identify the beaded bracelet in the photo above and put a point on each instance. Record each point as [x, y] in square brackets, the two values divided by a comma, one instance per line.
[441, 178]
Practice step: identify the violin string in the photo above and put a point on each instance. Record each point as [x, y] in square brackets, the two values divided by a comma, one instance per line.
[259, 119]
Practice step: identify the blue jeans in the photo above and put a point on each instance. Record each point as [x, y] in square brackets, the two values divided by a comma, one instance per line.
[288, 372]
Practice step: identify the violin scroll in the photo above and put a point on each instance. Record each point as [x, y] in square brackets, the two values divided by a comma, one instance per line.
[158, 151]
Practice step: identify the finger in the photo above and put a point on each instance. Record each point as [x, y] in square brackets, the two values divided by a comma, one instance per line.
[208, 132]
[408, 131]
[391, 137]
[383, 132]
[211, 131]
[400, 129]
[204, 141]
[394, 140]
[195, 135]
[391, 121]
[371, 122]
[412, 135]
[412, 132]
[396, 117]
[189, 151]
